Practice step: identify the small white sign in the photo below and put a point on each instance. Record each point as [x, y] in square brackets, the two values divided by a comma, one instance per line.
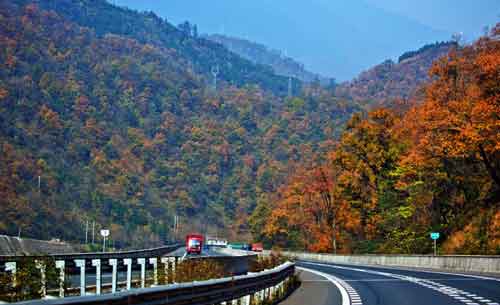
[105, 233]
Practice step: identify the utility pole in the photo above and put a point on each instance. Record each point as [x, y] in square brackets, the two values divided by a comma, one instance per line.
[93, 231]
[215, 72]
[289, 86]
[176, 226]
[86, 231]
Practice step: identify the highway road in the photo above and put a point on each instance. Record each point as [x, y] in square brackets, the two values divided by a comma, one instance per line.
[335, 284]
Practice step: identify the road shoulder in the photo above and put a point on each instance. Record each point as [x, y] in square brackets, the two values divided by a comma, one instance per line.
[314, 290]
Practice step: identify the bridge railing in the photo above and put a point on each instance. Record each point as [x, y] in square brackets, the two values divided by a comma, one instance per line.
[255, 288]
[80, 264]
[99, 273]
[152, 252]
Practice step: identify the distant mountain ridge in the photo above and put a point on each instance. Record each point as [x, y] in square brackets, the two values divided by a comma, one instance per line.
[260, 54]
[333, 38]
[389, 80]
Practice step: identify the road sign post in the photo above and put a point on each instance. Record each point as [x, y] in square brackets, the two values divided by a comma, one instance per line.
[435, 237]
[104, 233]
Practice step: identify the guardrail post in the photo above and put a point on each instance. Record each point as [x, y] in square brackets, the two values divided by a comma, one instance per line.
[40, 265]
[174, 263]
[61, 265]
[128, 262]
[257, 297]
[12, 268]
[164, 261]
[114, 264]
[154, 261]
[97, 264]
[245, 300]
[80, 263]
[142, 263]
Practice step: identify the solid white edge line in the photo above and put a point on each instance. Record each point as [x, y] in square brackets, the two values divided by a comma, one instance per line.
[343, 292]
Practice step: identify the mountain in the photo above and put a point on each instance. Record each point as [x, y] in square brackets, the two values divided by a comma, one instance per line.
[260, 54]
[333, 38]
[147, 28]
[389, 80]
[123, 130]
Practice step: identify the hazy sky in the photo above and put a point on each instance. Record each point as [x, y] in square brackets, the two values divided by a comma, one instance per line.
[336, 38]
[467, 16]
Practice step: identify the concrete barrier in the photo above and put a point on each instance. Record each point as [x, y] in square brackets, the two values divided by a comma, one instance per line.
[456, 263]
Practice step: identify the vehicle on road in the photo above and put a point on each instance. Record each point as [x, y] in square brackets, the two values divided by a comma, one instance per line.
[194, 243]
[216, 242]
[240, 246]
[257, 247]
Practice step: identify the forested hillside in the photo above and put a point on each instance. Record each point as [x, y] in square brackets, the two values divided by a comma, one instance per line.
[389, 80]
[395, 175]
[198, 53]
[260, 54]
[125, 132]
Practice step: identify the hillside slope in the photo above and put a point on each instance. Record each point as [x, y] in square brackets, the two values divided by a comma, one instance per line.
[106, 128]
[390, 80]
[260, 54]
[199, 54]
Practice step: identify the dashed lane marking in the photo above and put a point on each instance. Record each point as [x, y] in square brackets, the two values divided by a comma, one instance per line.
[405, 280]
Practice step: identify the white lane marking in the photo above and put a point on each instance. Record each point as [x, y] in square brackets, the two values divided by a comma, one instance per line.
[444, 289]
[405, 280]
[346, 291]
[481, 277]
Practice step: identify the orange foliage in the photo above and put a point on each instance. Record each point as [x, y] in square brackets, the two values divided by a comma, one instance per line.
[3, 93]
[50, 117]
[460, 115]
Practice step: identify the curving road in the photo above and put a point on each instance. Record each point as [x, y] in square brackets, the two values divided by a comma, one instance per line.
[335, 284]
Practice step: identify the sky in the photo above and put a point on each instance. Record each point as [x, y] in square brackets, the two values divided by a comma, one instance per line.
[467, 16]
[336, 38]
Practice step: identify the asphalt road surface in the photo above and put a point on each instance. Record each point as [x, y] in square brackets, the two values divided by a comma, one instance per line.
[363, 285]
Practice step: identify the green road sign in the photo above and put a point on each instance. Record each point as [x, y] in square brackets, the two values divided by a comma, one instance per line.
[435, 235]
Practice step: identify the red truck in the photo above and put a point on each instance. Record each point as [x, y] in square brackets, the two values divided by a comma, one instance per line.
[257, 247]
[194, 243]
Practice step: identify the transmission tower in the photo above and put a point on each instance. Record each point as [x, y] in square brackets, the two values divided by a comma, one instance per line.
[215, 72]
[290, 91]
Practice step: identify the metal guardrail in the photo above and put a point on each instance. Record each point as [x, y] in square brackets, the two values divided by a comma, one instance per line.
[153, 252]
[262, 285]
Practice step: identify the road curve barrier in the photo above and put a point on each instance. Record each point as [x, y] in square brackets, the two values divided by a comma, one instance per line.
[254, 288]
[152, 252]
[456, 263]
